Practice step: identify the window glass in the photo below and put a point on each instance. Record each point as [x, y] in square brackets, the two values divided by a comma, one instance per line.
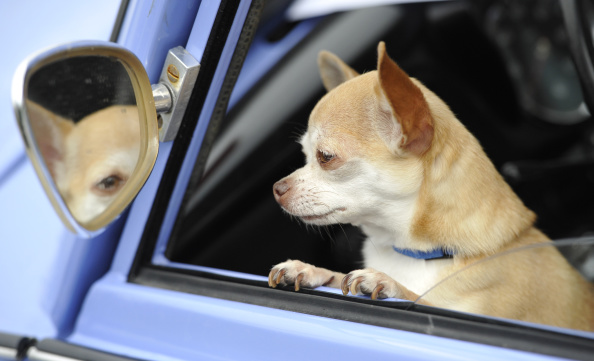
[503, 70]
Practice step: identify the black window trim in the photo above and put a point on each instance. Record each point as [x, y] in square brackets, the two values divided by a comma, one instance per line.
[396, 315]
[52, 349]
[119, 21]
[214, 47]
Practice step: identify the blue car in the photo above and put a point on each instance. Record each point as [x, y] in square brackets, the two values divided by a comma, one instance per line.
[168, 259]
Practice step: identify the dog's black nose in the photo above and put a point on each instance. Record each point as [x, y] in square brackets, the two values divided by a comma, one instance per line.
[281, 187]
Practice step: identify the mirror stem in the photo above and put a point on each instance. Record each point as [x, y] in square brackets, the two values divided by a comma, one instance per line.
[163, 99]
[173, 92]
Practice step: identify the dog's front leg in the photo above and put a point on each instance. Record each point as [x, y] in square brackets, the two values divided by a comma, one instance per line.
[302, 274]
[376, 284]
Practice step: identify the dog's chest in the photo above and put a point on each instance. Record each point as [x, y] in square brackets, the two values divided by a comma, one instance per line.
[415, 274]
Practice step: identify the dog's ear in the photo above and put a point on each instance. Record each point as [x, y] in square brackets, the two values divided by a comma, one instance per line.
[407, 103]
[333, 70]
[49, 130]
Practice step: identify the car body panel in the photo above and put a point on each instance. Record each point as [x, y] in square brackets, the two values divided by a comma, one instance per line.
[58, 293]
[140, 321]
[47, 279]
[157, 324]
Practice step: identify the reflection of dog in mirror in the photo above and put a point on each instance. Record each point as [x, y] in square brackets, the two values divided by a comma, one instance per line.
[386, 154]
[90, 160]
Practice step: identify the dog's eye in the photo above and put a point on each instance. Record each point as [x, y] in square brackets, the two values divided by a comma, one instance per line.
[109, 184]
[324, 157]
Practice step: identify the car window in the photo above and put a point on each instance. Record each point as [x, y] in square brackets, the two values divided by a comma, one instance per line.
[525, 108]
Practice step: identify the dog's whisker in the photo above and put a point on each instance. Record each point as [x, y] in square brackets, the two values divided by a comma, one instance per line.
[328, 233]
[345, 236]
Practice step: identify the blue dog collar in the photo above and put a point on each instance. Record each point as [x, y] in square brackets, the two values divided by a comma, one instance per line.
[437, 253]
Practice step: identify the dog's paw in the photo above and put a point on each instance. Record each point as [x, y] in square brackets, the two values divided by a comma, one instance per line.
[299, 274]
[371, 282]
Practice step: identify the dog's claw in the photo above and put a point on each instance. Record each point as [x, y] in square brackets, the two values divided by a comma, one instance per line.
[298, 281]
[271, 282]
[274, 278]
[376, 291]
[344, 285]
[279, 275]
[354, 285]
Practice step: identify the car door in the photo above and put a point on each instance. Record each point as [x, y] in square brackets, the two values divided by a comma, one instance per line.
[64, 266]
[154, 304]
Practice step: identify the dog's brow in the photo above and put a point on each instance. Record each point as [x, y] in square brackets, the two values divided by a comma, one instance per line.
[301, 139]
[304, 140]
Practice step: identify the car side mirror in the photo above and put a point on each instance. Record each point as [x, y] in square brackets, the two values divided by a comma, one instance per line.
[87, 114]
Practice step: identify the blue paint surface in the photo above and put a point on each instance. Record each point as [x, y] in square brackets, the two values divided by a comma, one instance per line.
[158, 324]
[44, 270]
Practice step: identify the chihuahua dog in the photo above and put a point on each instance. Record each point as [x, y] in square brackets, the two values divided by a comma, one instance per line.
[90, 160]
[384, 153]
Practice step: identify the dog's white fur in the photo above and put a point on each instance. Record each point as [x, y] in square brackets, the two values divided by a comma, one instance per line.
[384, 153]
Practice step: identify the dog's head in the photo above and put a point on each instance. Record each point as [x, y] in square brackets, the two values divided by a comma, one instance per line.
[101, 152]
[91, 160]
[364, 147]
[385, 152]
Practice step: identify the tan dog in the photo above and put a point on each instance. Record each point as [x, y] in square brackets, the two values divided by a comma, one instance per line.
[386, 154]
[91, 160]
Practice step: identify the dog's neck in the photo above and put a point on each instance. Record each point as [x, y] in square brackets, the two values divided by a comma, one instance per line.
[389, 237]
[464, 204]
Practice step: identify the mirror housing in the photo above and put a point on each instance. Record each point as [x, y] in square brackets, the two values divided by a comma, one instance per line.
[94, 158]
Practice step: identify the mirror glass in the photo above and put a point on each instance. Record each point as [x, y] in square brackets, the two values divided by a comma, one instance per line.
[85, 122]
[87, 115]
